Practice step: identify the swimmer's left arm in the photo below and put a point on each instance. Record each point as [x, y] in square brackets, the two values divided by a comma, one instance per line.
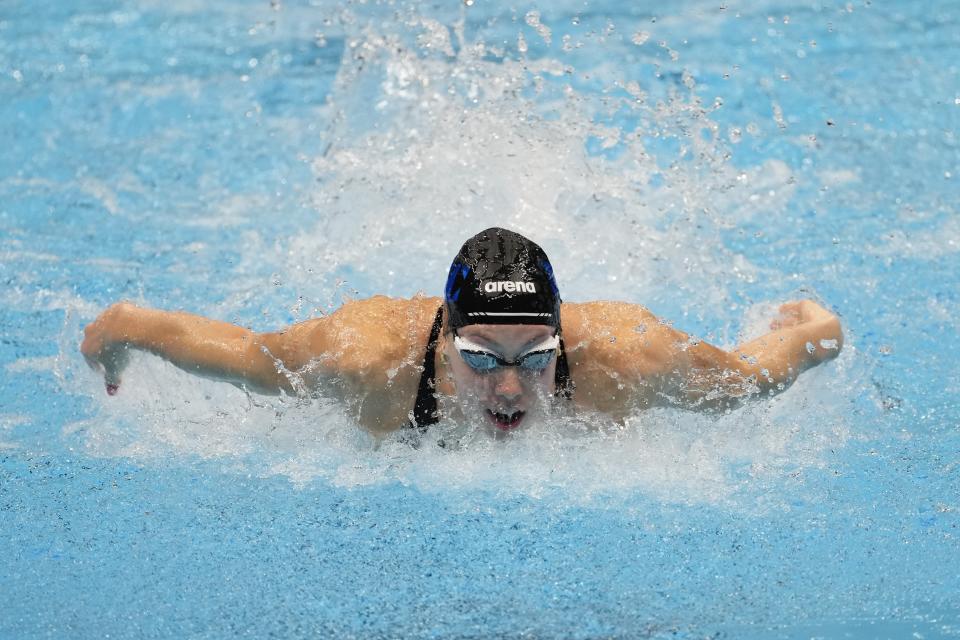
[705, 377]
[623, 357]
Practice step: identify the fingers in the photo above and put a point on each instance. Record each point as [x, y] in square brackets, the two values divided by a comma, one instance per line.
[92, 362]
[114, 362]
[111, 378]
[789, 315]
[798, 312]
[90, 347]
[103, 357]
[791, 308]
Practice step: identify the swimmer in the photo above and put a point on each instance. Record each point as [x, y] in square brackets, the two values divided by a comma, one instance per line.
[499, 349]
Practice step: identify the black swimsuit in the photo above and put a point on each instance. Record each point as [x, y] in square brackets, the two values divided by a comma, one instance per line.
[425, 410]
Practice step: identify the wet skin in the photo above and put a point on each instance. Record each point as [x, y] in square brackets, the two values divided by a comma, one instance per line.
[507, 397]
[368, 355]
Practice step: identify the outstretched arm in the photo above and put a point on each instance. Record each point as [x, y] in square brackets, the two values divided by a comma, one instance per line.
[365, 353]
[803, 335]
[623, 357]
[196, 344]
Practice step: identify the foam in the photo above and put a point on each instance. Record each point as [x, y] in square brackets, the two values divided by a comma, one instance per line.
[162, 413]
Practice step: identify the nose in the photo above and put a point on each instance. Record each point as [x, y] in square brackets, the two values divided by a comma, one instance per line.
[508, 384]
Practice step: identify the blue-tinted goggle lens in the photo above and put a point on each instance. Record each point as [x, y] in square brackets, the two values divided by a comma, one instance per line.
[484, 361]
[480, 359]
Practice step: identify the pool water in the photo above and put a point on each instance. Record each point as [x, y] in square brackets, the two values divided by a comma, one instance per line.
[260, 162]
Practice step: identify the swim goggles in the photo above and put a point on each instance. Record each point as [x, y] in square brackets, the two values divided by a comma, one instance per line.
[482, 360]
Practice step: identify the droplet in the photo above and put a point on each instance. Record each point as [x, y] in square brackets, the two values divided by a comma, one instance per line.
[810, 347]
[521, 43]
[640, 37]
[533, 19]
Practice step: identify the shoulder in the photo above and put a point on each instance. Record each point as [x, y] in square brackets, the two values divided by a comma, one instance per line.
[617, 352]
[610, 331]
[602, 315]
[376, 331]
[375, 348]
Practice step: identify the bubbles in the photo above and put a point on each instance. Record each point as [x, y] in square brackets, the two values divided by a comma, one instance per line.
[521, 43]
[164, 414]
[533, 19]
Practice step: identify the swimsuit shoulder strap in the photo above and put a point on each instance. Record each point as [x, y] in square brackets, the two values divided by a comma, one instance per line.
[425, 410]
[561, 379]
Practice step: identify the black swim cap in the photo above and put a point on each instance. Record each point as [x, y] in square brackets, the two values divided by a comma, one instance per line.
[500, 277]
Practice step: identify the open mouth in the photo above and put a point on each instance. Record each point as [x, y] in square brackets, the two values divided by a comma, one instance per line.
[506, 421]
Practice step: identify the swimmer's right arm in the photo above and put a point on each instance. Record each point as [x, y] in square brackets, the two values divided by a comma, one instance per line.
[211, 348]
[362, 353]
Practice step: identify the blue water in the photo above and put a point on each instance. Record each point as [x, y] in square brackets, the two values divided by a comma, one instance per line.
[260, 162]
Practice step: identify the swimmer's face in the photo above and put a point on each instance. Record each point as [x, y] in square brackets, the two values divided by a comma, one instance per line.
[504, 397]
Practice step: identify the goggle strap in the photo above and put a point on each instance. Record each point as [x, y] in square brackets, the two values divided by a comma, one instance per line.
[463, 344]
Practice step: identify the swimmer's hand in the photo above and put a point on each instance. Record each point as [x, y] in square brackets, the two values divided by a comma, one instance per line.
[799, 312]
[105, 346]
[821, 327]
